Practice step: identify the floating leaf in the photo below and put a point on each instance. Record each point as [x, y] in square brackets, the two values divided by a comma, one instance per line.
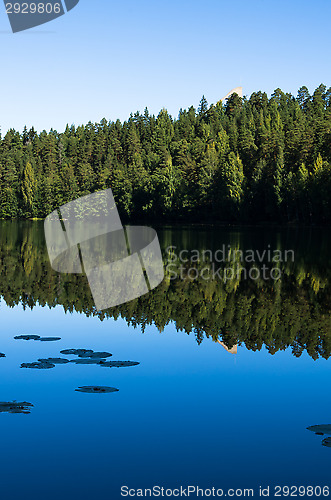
[38, 365]
[96, 355]
[96, 389]
[320, 429]
[49, 339]
[76, 352]
[15, 407]
[118, 364]
[54, 361]
[327, 442]
[86, 361]
[27, 337]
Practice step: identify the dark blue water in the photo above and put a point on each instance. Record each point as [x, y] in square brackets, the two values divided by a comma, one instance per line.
[188, 414]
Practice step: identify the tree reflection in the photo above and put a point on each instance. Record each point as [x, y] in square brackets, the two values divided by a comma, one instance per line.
[293, 311]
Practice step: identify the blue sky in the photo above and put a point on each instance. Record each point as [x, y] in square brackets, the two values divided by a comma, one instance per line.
[107, 59]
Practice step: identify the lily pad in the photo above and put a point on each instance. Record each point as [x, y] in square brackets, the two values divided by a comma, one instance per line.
[2, 355]
[118, 364]
[54, 361]
[327, 442]
[49, 339]
[19, 410]
[96, 355]
[93, 389]
[76, 352]
[320, 429]
[27, 337]
[86, 361]
[15, 407]
[38, 365]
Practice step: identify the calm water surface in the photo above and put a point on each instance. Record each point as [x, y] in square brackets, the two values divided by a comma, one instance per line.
[191, 412]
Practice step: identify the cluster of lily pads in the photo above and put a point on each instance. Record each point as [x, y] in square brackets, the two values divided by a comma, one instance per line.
[320, 430]
[15, 407]
[84, 357]
[37, 337]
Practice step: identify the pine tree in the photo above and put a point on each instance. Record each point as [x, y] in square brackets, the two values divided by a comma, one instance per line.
[29, 188]
[203, 106]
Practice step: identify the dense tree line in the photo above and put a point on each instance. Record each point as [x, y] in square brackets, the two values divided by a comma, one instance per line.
[248, 160]
[293, 312]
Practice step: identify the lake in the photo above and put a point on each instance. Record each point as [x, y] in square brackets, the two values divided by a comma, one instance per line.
[234, 365]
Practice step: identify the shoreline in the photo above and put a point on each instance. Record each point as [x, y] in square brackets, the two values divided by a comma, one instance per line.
[203, 224]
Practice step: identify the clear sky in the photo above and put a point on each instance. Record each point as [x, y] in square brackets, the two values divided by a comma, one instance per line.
[108, 59]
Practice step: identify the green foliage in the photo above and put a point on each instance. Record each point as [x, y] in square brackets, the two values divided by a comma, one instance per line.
[248, 160]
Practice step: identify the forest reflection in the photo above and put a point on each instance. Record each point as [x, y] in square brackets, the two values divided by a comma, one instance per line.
[291, 311]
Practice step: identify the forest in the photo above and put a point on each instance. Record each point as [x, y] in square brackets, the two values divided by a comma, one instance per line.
[256, 160]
